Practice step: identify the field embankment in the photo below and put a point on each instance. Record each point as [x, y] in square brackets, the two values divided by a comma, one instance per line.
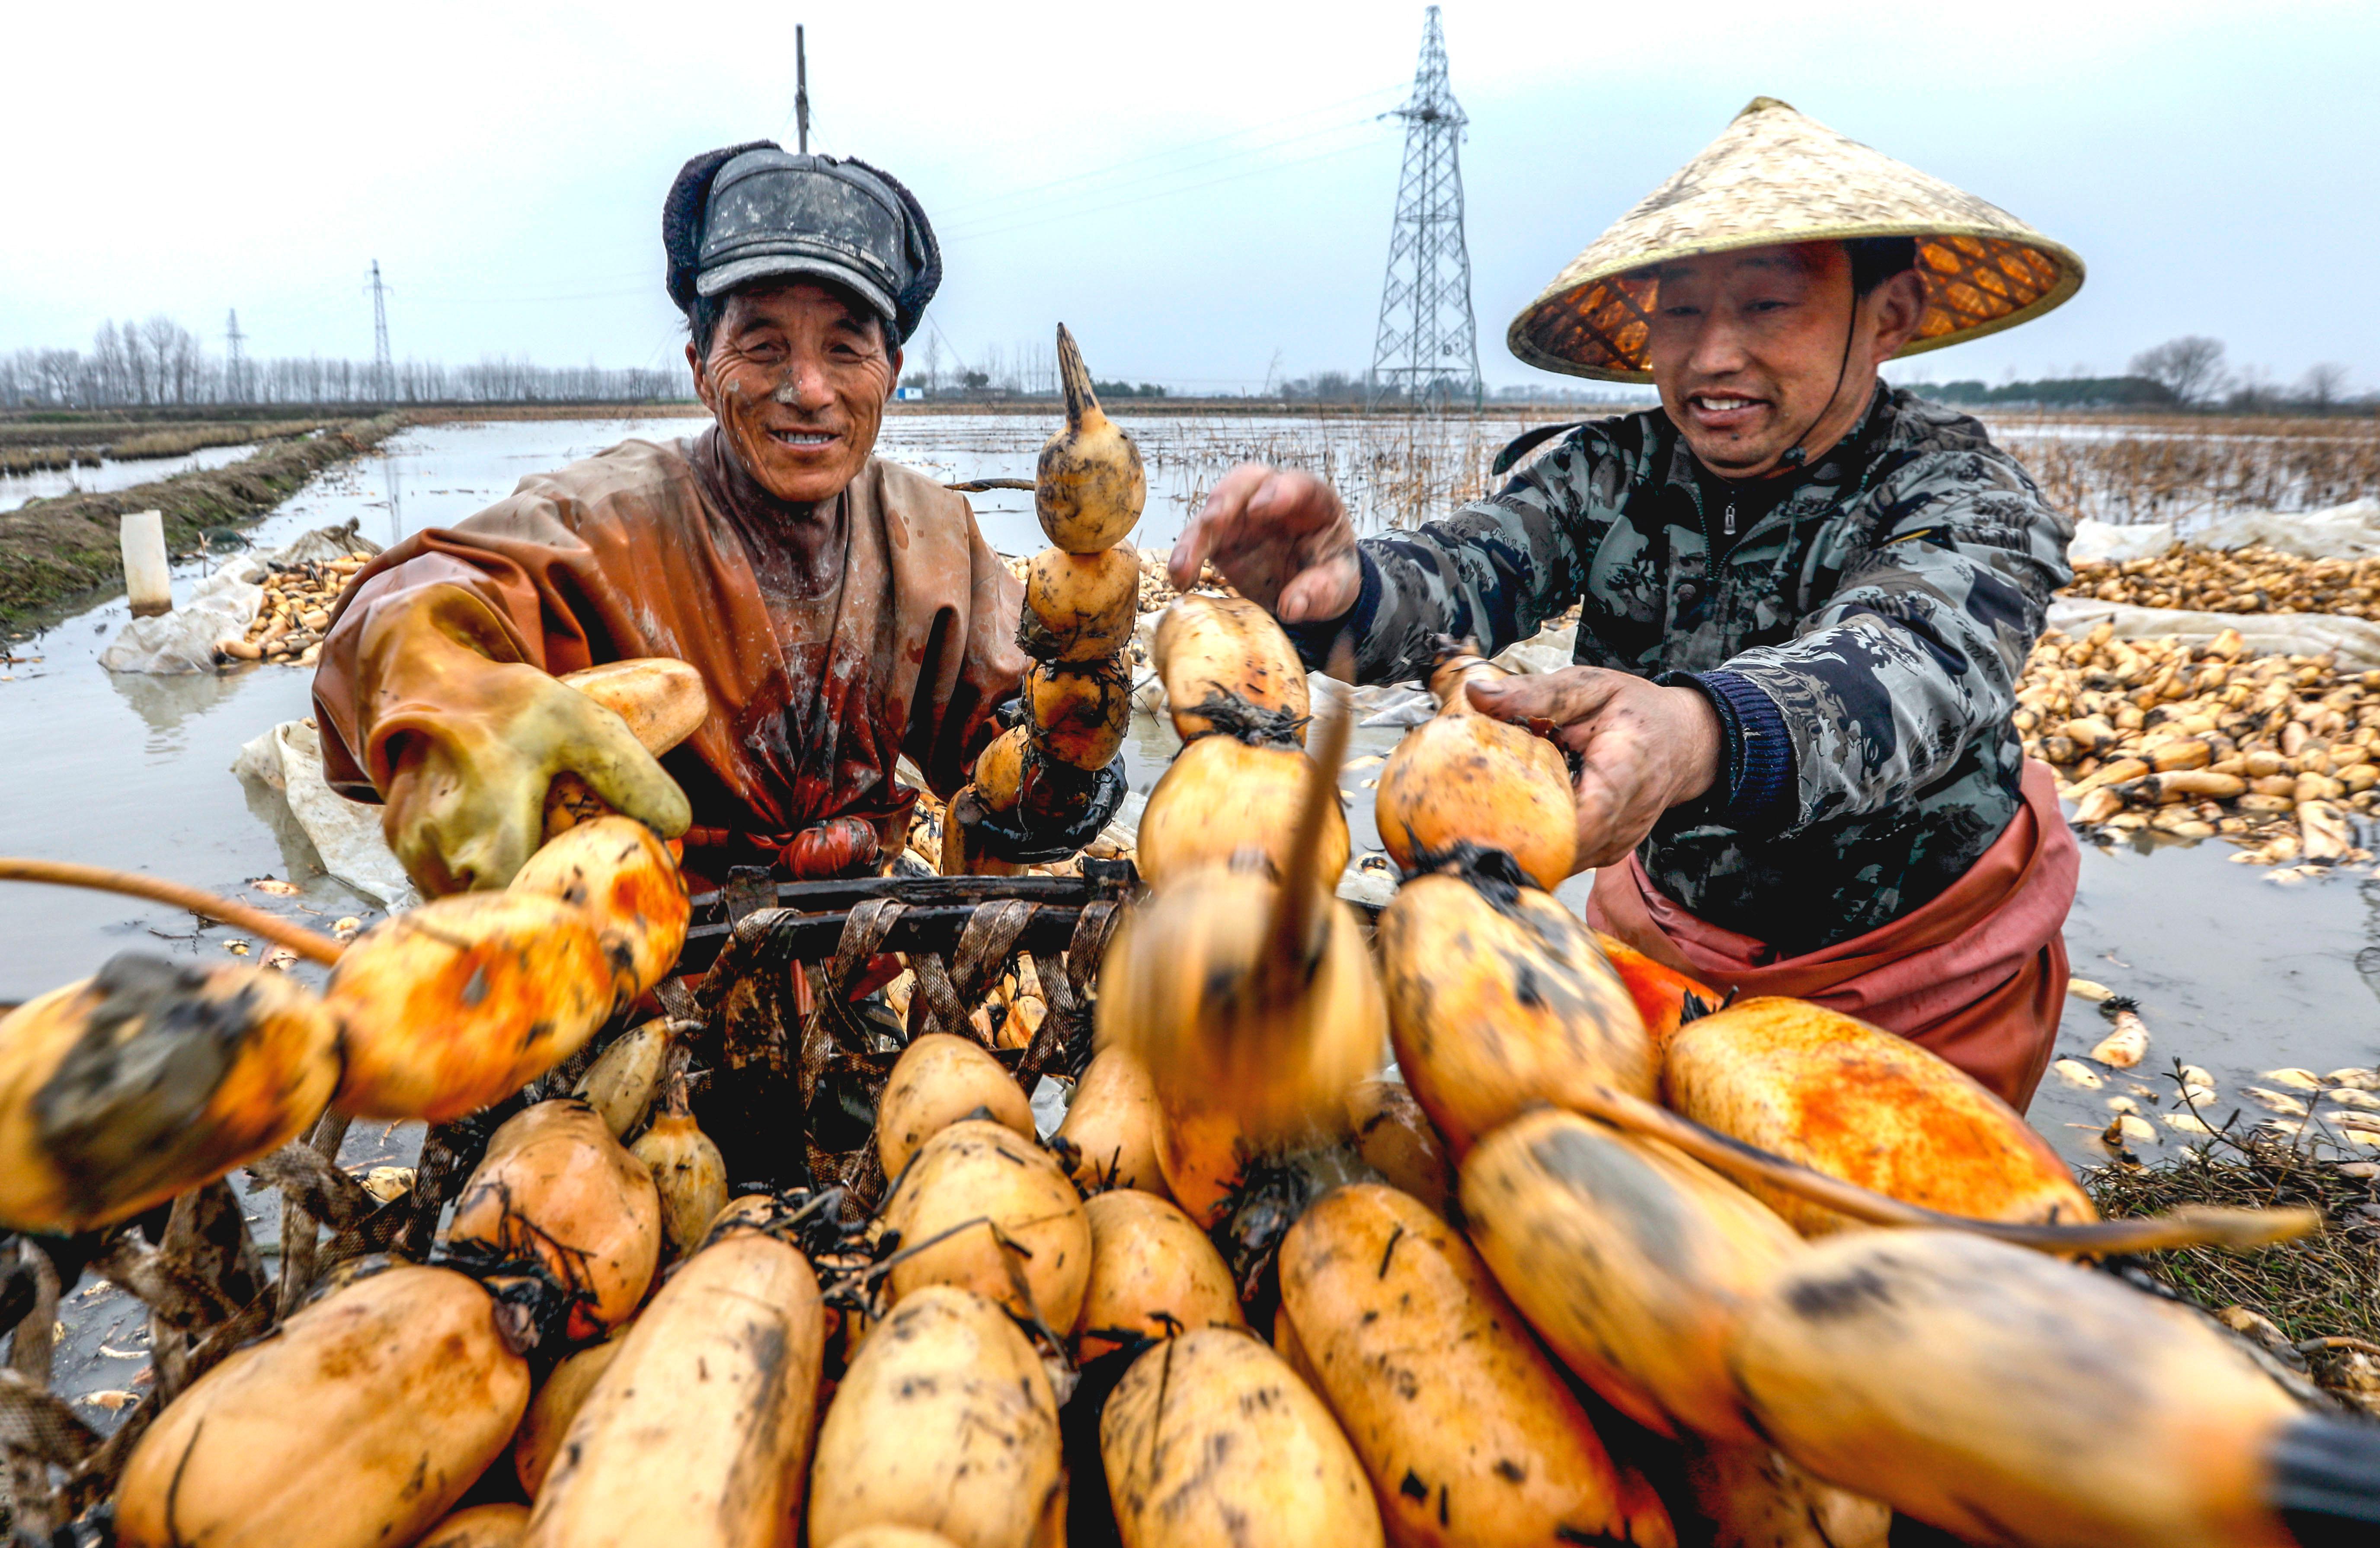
[55, 549]
[38, 442]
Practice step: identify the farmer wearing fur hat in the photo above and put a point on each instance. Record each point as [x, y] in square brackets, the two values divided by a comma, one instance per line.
[842, 611]
[1805, 596]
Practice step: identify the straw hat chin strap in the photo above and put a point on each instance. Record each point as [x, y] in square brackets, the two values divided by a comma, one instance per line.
[1795, 454]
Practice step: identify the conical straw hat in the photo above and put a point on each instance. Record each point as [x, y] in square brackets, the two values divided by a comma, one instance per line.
[1775, 176]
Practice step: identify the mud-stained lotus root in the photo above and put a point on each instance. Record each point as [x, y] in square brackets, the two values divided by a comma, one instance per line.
[1461, 778]
[1178, 987]
[1154, 1274]
[1010, 1225]
[1079, 713]
[944, 1422]
[616, 869]
[457, 1004]
[359, 1423]
[1781, 1074]
[1109, 1137]
[663, 700]
[1090, 485]
[1220, 797]
[938, 1081]
[1632, 1261]
[689, 1173]
[1079, 607]
[1499, 999]
[1430, 1371]
[558, 1186]
[1000, 771]
[149, 1078]
[549, 1412]
[1395, 1139]
[698, 1434]
[1212, 1438]
[1227, 667]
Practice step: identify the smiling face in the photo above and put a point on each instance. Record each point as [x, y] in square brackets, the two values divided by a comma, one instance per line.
[1748, 347]
[798, 376]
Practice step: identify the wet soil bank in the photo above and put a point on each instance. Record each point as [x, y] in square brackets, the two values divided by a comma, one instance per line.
[67, 549]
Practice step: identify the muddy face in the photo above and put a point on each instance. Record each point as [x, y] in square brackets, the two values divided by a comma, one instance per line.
[797, 377]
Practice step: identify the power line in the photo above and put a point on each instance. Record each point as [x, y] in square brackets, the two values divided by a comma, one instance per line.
[1072, 214]
[1009, 194]
[651, 288]
[1428, 342]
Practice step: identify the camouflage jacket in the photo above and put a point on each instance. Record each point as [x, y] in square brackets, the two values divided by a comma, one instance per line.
[1860, 641]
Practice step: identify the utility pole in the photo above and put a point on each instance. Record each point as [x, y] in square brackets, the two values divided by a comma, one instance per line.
[1427, 342]
[235, 387]
[801, 92]
[383, 373]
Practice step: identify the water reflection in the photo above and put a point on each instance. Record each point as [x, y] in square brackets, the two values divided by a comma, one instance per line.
[2367, 961]
[394, 482]
[300, 862]
[165, 702]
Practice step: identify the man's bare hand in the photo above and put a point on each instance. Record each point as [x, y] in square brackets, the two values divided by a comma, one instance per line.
[1646, 748]
[1282, 538]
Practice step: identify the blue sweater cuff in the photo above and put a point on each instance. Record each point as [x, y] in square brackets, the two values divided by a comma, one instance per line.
[1756, 796]
[1314, 640]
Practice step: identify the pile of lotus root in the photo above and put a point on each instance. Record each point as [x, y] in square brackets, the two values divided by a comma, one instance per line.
[2253, 579]
[289, 627]
[2200, 740]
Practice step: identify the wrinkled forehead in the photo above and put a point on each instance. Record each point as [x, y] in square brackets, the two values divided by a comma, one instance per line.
[1789, 261]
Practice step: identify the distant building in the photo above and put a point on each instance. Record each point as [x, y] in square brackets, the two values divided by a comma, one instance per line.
[908, 394]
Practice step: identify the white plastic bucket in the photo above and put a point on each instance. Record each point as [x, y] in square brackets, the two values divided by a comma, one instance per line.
[148, 580]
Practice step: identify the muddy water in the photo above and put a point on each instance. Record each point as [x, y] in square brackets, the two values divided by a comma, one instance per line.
[2232, 972]
[16, 489]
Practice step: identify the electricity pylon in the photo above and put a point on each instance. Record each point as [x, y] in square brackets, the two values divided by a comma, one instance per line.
[235, 364]
[384, 372]
[1428, 344]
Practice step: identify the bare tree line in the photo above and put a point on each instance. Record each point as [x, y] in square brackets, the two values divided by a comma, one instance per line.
[2192, 367]
[1021, 370]
[159, 363]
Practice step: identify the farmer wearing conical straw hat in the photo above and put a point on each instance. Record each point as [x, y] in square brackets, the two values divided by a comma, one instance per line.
[1805, 596]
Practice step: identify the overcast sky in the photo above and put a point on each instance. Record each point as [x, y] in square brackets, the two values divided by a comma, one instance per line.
[1202, 192]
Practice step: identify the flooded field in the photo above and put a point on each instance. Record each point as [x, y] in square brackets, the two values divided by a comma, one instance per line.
[2233, 971]
[107, 474]
[2190, 471]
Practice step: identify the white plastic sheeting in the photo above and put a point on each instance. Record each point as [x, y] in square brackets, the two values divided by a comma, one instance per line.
[2100, 542]
[184, 640]
[347, 834]
[2349, 531]
[1547, 651]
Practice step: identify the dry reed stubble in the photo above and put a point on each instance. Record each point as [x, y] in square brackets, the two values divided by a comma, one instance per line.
[2322, 1285]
